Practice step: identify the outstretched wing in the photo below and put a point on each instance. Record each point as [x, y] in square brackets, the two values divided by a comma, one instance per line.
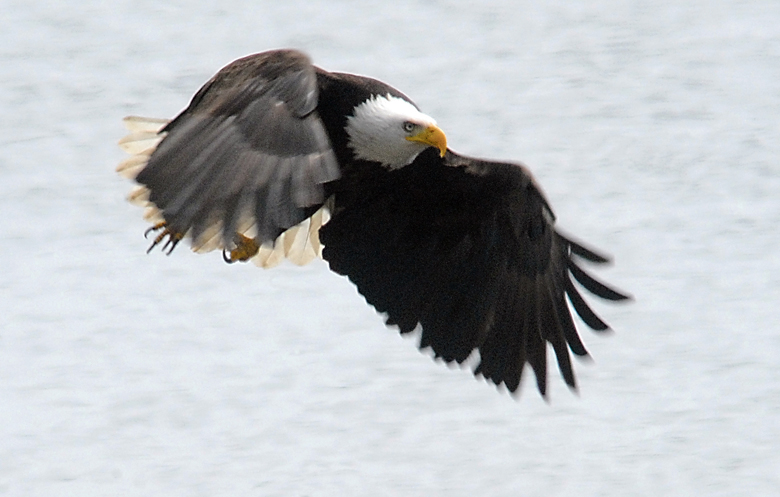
[250, 153]
[467, 251]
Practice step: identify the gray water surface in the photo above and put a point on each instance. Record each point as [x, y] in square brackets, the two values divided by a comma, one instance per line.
[654, 130]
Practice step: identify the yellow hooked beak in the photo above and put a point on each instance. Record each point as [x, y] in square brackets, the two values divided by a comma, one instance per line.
[432, 136]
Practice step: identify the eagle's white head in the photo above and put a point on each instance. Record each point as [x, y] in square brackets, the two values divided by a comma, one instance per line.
[392, 131]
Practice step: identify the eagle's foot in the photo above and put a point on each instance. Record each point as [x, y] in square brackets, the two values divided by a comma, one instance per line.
[173, 237]
[246, 248]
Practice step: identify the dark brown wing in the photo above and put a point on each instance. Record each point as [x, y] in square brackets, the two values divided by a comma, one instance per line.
[467, 250]
[250, 146]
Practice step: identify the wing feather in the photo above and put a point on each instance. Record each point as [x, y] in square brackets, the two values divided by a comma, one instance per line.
[465, 250]
[250, 144]
[595, 287]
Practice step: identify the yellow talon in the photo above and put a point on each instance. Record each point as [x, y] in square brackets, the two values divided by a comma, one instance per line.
[173, 237]
[246, 248]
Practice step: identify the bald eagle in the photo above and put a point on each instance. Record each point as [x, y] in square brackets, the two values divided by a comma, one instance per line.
[277, 157]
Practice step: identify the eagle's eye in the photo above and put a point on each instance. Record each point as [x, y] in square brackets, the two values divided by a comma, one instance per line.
[409, 126]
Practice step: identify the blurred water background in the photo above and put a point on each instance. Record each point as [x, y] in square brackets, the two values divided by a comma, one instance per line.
[654, 129]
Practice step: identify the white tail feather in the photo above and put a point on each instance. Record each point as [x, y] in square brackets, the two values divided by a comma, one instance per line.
[296, 245]
[140, 142]
[130, 167]
[269, 256]
[139, 196]
[137, 124]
